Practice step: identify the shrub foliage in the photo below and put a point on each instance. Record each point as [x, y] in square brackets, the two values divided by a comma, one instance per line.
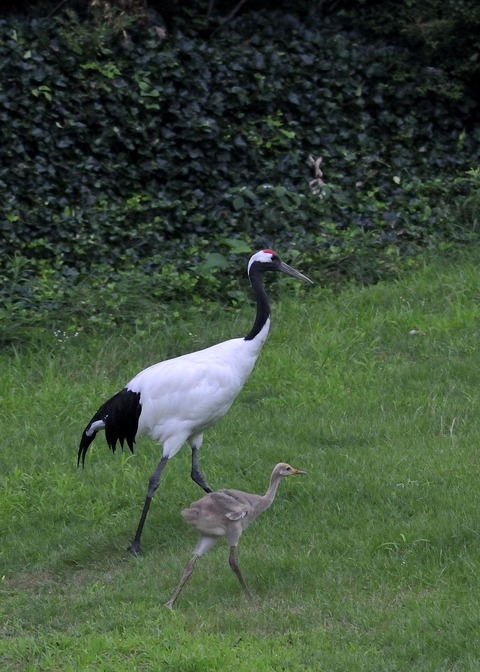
[125, 150]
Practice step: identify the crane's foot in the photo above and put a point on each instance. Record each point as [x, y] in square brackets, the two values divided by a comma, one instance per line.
[135, 549]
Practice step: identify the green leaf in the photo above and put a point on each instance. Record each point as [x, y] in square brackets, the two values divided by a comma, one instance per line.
[237, 246]
[213, 260]
[238, 202]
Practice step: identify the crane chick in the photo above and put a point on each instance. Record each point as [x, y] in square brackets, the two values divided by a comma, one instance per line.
[227, 513]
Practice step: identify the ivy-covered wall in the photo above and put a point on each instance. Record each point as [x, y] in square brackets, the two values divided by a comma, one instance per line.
[129, 149]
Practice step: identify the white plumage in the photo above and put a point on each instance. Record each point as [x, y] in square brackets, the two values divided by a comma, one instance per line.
[174, 401]
[186, 395]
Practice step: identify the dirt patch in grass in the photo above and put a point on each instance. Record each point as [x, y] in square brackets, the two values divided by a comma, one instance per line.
[30, 580]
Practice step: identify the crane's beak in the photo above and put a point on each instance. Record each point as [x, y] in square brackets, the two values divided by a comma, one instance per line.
[297, 472]
[285, 268]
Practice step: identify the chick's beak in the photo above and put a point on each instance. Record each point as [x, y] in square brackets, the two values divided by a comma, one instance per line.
[297, 472]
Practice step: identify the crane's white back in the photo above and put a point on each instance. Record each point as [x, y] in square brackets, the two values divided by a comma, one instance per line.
[181, 397]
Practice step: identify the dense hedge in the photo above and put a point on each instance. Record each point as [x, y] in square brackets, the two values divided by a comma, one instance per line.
[155, 154]
[445, 34]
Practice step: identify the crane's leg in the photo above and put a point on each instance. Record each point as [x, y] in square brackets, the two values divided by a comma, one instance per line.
[196, 473]
[185, 576]
[234, 565]
[152, 486]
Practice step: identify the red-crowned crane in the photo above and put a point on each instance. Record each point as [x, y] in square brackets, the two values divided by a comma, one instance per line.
[227, 513]
[176, 400]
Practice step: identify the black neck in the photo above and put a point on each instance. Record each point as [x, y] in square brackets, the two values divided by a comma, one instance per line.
[263, 307]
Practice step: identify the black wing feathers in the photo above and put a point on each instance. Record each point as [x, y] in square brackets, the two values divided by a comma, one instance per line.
[120, 415]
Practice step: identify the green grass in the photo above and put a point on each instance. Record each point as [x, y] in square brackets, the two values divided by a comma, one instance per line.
[370, 562]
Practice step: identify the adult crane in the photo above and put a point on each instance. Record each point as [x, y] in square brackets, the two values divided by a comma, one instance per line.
[176, 400]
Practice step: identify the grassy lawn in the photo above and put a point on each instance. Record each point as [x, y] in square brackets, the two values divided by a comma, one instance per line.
[370, 562]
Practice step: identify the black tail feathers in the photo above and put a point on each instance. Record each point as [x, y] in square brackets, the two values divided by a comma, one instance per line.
[119, 417]
[85, 442]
